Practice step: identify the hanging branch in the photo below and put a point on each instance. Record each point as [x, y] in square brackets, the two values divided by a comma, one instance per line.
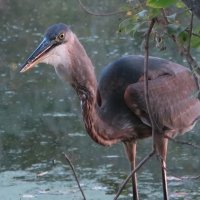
[196, 73]
[87, 10]
[190, 32]
[146, 47]
[146, 85]
[185, 51]
[194, 6]
[76, 178]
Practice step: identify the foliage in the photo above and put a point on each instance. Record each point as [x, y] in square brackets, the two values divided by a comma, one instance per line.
[172, 21]
[160, 3]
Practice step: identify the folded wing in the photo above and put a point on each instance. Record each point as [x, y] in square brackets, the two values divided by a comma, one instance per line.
[172, 97]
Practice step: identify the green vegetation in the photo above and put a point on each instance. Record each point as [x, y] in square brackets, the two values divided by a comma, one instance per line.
[175, 23]
[173, 18]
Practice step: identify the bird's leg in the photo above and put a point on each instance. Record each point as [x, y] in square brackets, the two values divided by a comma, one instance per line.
[161, 148]
[164, 179]
[134, 176]
[131, 152]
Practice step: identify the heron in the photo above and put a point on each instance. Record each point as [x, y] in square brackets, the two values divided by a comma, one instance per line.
[114, 108]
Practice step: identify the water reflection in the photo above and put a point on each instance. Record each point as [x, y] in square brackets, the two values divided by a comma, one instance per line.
[40, 116]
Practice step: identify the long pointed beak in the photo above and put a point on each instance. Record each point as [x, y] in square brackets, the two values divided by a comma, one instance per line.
[37, 55]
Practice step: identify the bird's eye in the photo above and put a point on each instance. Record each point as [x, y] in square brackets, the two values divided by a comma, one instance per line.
[61, 36]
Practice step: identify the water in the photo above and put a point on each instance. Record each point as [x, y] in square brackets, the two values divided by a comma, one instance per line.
[40, 116]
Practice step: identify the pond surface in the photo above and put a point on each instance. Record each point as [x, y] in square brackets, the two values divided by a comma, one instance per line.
[40, 115]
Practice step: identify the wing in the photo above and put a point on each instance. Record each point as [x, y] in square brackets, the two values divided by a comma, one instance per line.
[172, 100]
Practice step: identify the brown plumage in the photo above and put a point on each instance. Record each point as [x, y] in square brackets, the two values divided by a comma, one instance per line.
[114, 110]
[173, 100]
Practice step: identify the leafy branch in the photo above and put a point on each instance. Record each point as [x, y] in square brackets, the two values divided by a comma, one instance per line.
[170, 25]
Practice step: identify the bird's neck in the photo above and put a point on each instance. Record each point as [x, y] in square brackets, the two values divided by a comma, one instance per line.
[85, 84]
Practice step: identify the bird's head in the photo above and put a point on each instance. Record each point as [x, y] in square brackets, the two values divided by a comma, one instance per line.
[53, 49]
[61, 48]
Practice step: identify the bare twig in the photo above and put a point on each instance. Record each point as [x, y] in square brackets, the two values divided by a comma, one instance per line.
[182, 142]
[195, 34]
[186, 51]
[87, 10]
[196, 73]
[164, 16]
[148, 108]
[192, 64]
[146, 86]
[76, 178]
[194, 6]
[190, 32]
[133, 172]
